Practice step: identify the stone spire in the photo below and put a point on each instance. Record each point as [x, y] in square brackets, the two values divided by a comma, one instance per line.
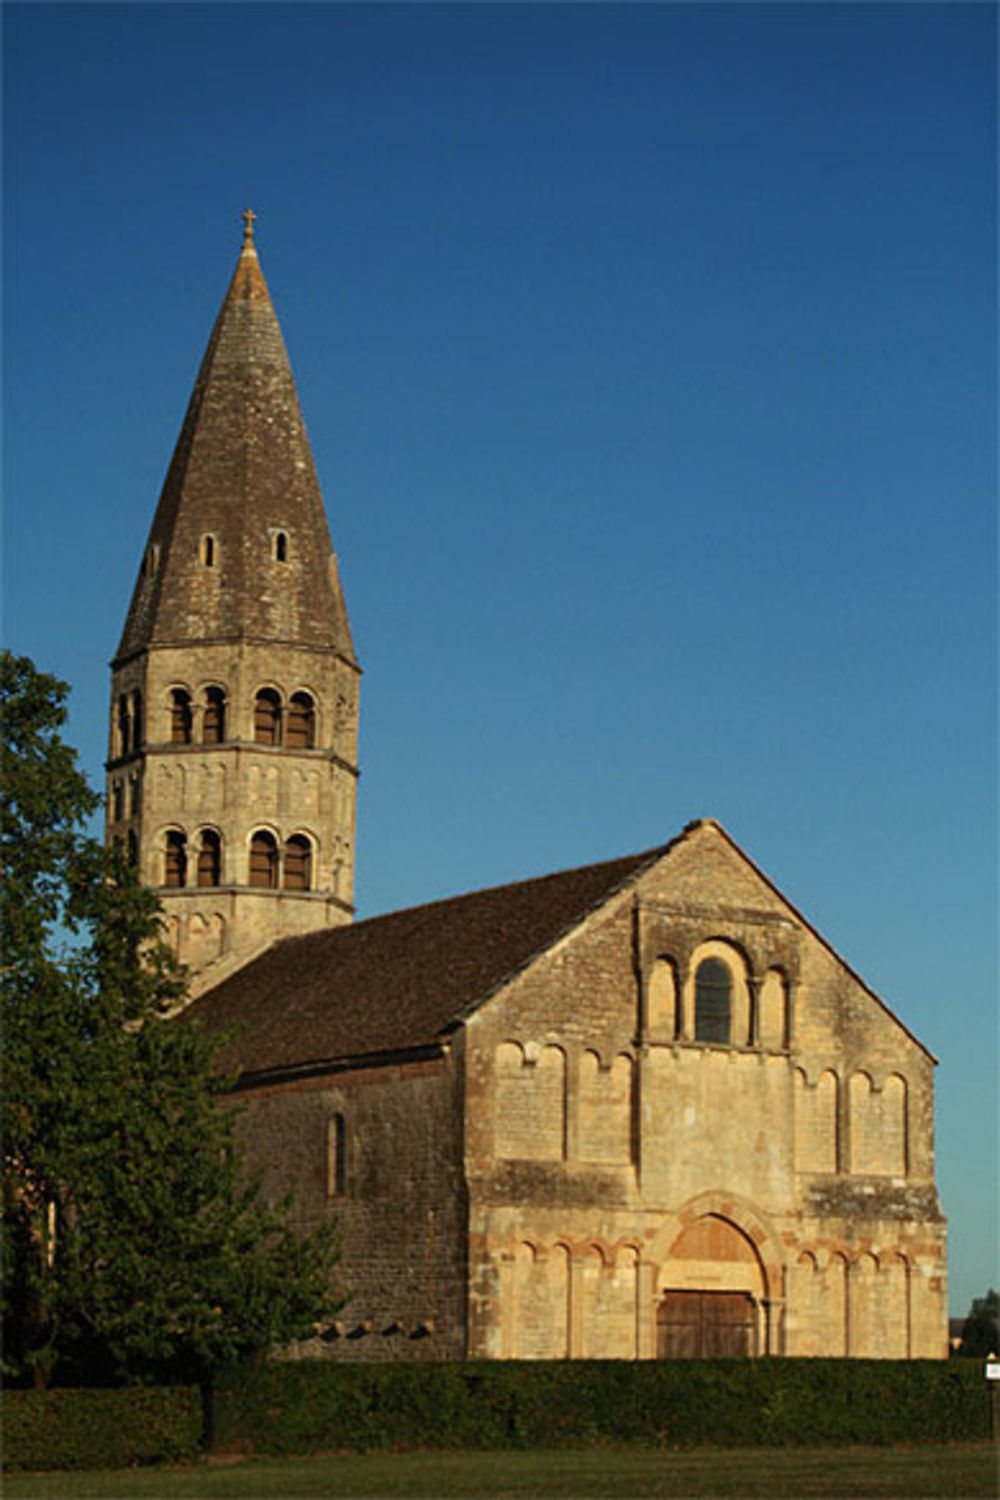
[232, 765]
[239, 546]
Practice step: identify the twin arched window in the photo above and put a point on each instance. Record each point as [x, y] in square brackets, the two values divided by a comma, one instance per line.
[213, 722]
[273, 725]
[208, 863]
[267, 865]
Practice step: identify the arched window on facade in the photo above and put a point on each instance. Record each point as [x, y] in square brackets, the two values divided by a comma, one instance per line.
[279, 546]
[175, 860]
[263, 860]
[208, 550]
[137, 726]
[124, 726]
[134, 795]
[267, 717]
[210, 858]
[117, 801]
[300, 723]
[213, 721]
[181, 717]
[132, 848]
[298, 863]
[336, 1157]
[713, 1001]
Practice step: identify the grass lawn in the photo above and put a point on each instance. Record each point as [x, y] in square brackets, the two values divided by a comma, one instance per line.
[966, 1469]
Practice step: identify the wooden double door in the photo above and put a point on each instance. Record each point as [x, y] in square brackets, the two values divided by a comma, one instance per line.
[706, 1325]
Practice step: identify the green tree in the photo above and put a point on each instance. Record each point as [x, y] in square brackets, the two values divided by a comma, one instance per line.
[134, 1247]
[981, 1334]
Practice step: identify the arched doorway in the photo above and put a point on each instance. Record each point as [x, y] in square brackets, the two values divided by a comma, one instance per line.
[712, 1294]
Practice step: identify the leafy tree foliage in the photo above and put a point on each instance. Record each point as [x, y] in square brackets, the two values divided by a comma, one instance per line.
[134, 1247]
[981, 1334]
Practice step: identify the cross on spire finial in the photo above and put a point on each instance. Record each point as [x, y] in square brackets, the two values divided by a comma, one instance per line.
[248, 216]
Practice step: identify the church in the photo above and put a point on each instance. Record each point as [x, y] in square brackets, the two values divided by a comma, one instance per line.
[635, 1110]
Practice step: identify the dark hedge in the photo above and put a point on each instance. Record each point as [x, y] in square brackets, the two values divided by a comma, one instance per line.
[98, 1429]
[297, 1408]
[280, 1408]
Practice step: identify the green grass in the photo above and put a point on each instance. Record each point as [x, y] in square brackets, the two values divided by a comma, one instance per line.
[958, 1470]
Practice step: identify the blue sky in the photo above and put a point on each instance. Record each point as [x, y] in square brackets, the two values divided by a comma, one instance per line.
[648, 355]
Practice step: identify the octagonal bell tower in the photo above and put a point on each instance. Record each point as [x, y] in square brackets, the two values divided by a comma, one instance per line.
[232, 765]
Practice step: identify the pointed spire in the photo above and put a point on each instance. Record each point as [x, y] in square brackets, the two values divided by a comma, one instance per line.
[239, 547]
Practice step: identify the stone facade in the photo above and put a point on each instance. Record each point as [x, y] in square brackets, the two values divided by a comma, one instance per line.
[614, 1158]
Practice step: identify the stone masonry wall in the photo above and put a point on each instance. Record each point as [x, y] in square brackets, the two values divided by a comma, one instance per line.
[396, 1198]
[234, 789]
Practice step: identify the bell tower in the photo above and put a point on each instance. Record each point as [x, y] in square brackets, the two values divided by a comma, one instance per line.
[232, 766]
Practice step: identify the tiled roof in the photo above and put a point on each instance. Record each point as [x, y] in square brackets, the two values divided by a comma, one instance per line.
[242, 469]
[400, 981]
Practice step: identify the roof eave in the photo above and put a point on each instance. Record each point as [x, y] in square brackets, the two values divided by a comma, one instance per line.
[251, 1078]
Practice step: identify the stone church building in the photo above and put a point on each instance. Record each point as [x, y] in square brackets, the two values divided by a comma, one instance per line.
[639, 1109]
